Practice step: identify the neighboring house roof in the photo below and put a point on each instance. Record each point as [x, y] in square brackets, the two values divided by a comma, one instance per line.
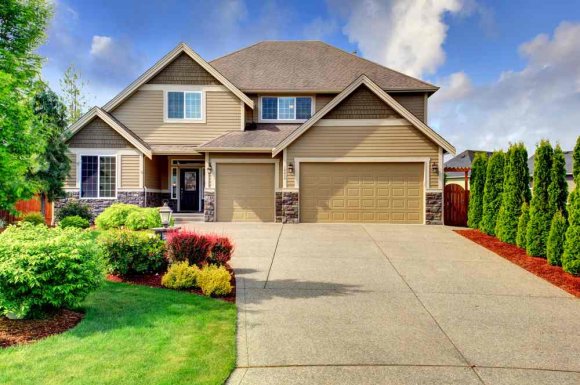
[363, 80]
[307, 66]
[567, 156]
[263, 138]
[167, 59]
[114, 124]
[462, 160]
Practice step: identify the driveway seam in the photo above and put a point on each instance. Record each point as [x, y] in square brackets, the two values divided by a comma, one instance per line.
[423, 305]
[273, 256]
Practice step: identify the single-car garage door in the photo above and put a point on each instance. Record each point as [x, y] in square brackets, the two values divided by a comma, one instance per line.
[245, 192]
[361, 192]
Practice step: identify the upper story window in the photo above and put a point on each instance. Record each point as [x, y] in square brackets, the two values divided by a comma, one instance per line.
[98, 176]
[184, 105]
[281, 108]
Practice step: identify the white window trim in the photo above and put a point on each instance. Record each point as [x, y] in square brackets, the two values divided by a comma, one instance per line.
[166, 119]
[117, 175]
[312, 108]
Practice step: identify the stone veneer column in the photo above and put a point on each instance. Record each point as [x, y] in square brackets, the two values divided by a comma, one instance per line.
[209, 206]
[434, 208]
[287, 206]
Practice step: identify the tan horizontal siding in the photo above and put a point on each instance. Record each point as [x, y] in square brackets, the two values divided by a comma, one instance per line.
[130, 172]
[377, 141]
[414, 102]
[143, 114]
[184, 70]
[98, 134]
[155, 172]
[322, 100]
[71, 179]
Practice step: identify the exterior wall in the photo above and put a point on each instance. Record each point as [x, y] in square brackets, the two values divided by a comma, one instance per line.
[434, 208]
[222, 155]
[287, 207]
[367, 141]
[143, 113]
[184, 70]
[322, 100]
[98, 134]
[156, 172]
[414, 102]
[362, 104]
[99, 205]
[130, 171]
[209, 206]
[71, 179]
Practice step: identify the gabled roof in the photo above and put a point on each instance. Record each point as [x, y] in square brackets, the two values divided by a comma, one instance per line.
[264, 137]
[119, 127]
[151, 72]
[307, 66]
[567, 157]
[462, 160]
[364, 80]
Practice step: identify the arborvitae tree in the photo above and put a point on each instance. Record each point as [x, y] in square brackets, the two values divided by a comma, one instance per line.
[571, 257]
[558, 188]
[516, 191]
[540, 211]
[556, 239]
[523, 226]
[492, 195]
[476, 186]
[576, 162]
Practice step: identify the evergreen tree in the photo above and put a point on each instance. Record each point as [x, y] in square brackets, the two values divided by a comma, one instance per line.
[571, 257]
[523, 226]
[576, 162]
[558, 188]
[540, 211]
[556, 239]
[492, 195]
[476, 186]
[516, 191]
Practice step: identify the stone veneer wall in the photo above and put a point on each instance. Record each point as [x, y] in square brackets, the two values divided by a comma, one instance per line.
[99, 205]
[434, 208]
[209, 206]
[287, 206]
[155, 199]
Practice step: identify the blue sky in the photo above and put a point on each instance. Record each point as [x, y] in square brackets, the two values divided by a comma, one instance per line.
[508, 70]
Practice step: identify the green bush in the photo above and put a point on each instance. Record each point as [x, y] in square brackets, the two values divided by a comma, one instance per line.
[43, 268]
[34, 218]
[133, 252]
[74, 208]
[180, 276]
[74, 221]
[115, 216]
[523, 226]
[143, 219]
[214, 280]
[477, 185]
[556, 238]
[571, 257]
[558, 187]
[540, 211]
[492, 194]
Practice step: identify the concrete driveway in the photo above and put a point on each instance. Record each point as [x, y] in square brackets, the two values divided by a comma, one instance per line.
[393, 304]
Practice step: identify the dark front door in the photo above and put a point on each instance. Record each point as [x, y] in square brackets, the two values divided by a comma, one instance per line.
[189, 189]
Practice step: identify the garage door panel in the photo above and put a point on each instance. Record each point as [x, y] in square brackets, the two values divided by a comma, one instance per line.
[361, 192]
[245, 192]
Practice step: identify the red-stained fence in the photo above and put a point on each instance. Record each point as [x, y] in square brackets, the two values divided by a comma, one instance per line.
[456, 202]
[29, 206]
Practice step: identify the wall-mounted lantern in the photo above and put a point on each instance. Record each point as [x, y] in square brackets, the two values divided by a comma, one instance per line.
[291, 168]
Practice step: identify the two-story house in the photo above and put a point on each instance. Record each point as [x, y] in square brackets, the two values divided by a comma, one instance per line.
[286, 131]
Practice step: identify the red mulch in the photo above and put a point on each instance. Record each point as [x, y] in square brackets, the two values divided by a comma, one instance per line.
[16, 332]
[154, 280]
[538, 266]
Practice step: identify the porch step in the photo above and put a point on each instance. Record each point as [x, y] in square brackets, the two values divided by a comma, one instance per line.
[181, 218]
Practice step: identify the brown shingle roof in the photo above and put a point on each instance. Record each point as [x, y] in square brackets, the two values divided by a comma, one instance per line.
[265, 136]
[306, 66]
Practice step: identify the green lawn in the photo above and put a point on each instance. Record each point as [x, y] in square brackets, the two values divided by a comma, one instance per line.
[133, 335]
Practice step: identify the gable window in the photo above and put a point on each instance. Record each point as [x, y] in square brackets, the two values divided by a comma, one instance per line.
[184, 105]
[98, 176]
[286, 108]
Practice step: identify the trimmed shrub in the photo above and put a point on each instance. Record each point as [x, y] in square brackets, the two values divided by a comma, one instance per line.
[74, 221]
[516, 191]
[180, 276]
[477, 185]
[556, 238]
[492, 195]
[115, 216]
[143, 219]
[221, 250]
[33, 218]
[74, 208]
[43, 268]
[133, 252]
[523, 226]
[558, 188]
[540, 211]
[214, 280]
[188, 246]
[571, 257]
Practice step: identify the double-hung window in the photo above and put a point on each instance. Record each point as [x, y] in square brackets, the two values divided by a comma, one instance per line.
[184, 105]
[98, 176]
[286, 108]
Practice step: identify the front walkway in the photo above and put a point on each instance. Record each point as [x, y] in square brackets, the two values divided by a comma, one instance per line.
[393, 304]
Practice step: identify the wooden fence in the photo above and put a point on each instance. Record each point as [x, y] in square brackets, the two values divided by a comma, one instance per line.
[29, 206]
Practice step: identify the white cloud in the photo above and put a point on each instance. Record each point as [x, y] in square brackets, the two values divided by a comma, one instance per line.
[101, 46]
[540, 101]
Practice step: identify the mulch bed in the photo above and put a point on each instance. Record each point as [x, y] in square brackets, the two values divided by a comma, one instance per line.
[154, 280]
[16, 332]
[538, 266]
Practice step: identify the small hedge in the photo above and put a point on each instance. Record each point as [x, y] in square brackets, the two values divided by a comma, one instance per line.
[198, 249]
[214, 280]
[43, 268]
[115, 216]
[180, 276]
[74, 221]
[143, 219]
[33, 218]
[133, 252]
[74, 208]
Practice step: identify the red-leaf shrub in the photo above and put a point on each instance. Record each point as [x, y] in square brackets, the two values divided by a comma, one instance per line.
[198, 249]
